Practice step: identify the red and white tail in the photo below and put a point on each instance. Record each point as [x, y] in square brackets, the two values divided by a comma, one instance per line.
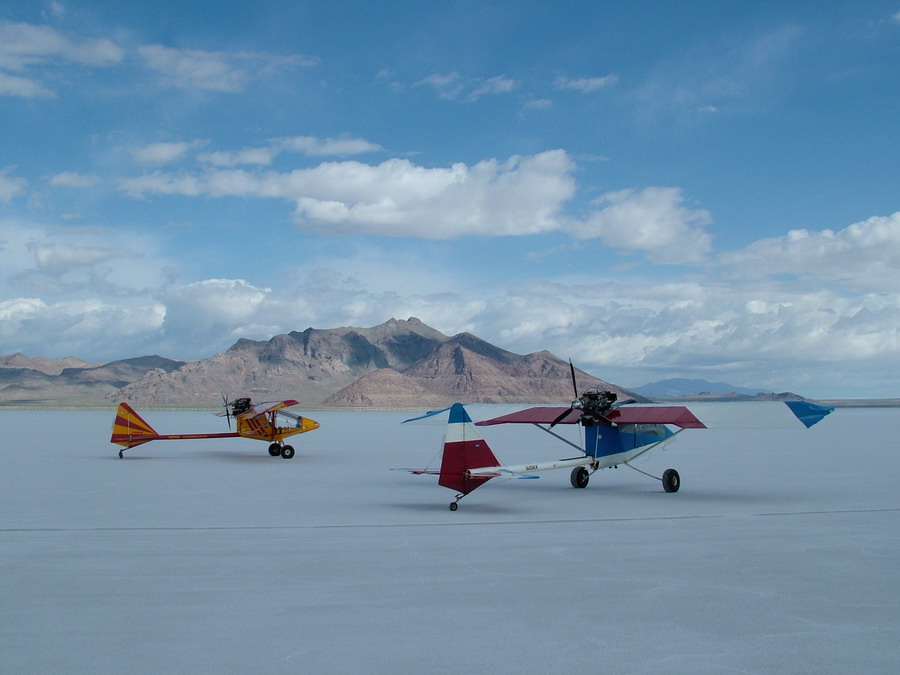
[464, 449]
[130, 429]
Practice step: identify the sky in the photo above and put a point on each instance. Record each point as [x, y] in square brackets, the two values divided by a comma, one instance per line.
[654, 190]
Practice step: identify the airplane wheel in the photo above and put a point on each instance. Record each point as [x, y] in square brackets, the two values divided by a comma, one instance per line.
[671, 480]
[120, 454]
[287, 451]
[579, 477]
[453, 506]
[274, 449]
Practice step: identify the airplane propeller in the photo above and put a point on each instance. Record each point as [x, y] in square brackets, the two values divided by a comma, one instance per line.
[575, 404]
[225, 403]
[594, 404]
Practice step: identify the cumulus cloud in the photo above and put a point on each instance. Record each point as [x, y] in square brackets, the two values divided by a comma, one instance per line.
[864, 255]
[32, 326]
[653, 220]
[522, 195]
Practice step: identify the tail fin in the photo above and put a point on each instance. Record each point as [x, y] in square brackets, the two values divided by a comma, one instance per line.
[130, 429]
[464, 449]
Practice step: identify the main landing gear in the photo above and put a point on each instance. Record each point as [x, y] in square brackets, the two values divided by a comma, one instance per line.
[671, 481]
[286, 451]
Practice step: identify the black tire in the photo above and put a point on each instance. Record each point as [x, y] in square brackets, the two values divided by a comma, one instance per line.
[579, 477]
[287, 452]
[671, 480]
[274, 449]
[453, 506]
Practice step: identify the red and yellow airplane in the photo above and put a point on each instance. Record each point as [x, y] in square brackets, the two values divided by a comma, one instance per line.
[265, 422]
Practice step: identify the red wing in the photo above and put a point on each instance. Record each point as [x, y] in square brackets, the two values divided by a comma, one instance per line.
[538, 415]
[674, 414]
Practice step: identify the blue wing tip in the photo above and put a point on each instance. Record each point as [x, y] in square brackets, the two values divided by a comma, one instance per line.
[808, 413]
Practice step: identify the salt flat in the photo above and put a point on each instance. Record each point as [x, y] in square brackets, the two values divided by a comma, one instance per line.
[779, 554]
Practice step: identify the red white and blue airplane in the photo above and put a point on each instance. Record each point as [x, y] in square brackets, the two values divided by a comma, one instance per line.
[614, 434]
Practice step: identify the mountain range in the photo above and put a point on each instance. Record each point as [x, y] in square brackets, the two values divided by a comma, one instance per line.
[397, 364]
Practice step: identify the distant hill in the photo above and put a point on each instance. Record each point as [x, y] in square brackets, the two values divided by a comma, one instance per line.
[77, 386]
[397, 364]
[680, 387]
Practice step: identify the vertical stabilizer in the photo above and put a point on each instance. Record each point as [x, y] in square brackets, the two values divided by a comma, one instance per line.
[130, 429]
[464, 449]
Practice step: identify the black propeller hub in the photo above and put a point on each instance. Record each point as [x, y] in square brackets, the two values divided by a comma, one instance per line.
[595, 405]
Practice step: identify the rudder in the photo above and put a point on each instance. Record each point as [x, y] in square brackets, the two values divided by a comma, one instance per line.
[464, 449]
[130, 429]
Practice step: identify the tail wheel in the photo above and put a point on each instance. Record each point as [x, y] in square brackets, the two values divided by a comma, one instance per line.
[274, 449]
[671, 480]
[579, 477]
[287, 452]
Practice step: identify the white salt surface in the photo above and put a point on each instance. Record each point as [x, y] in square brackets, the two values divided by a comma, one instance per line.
[779, 554]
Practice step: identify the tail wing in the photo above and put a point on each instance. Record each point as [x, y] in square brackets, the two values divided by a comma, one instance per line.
[464, 449]
[130, 429]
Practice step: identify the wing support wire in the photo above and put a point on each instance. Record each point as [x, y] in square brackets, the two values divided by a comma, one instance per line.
[557, 436]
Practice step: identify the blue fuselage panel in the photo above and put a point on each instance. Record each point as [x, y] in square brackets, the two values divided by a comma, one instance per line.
[602, 440]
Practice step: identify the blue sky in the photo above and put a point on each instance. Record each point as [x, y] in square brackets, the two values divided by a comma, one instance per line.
[653, 189]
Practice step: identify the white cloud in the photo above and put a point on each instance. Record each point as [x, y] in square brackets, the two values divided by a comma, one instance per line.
[864, 255]
[493, 86]
[72, 179]
[23, 46]
[311, 146]
[653, 220]
[194, 69]
[522, 195]
[448, 86]
[94, 326]
[164, 153]
[226, 72]
[10, 186]
[258, 156]
[341, 146]
[13, 85]
[584, 84]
